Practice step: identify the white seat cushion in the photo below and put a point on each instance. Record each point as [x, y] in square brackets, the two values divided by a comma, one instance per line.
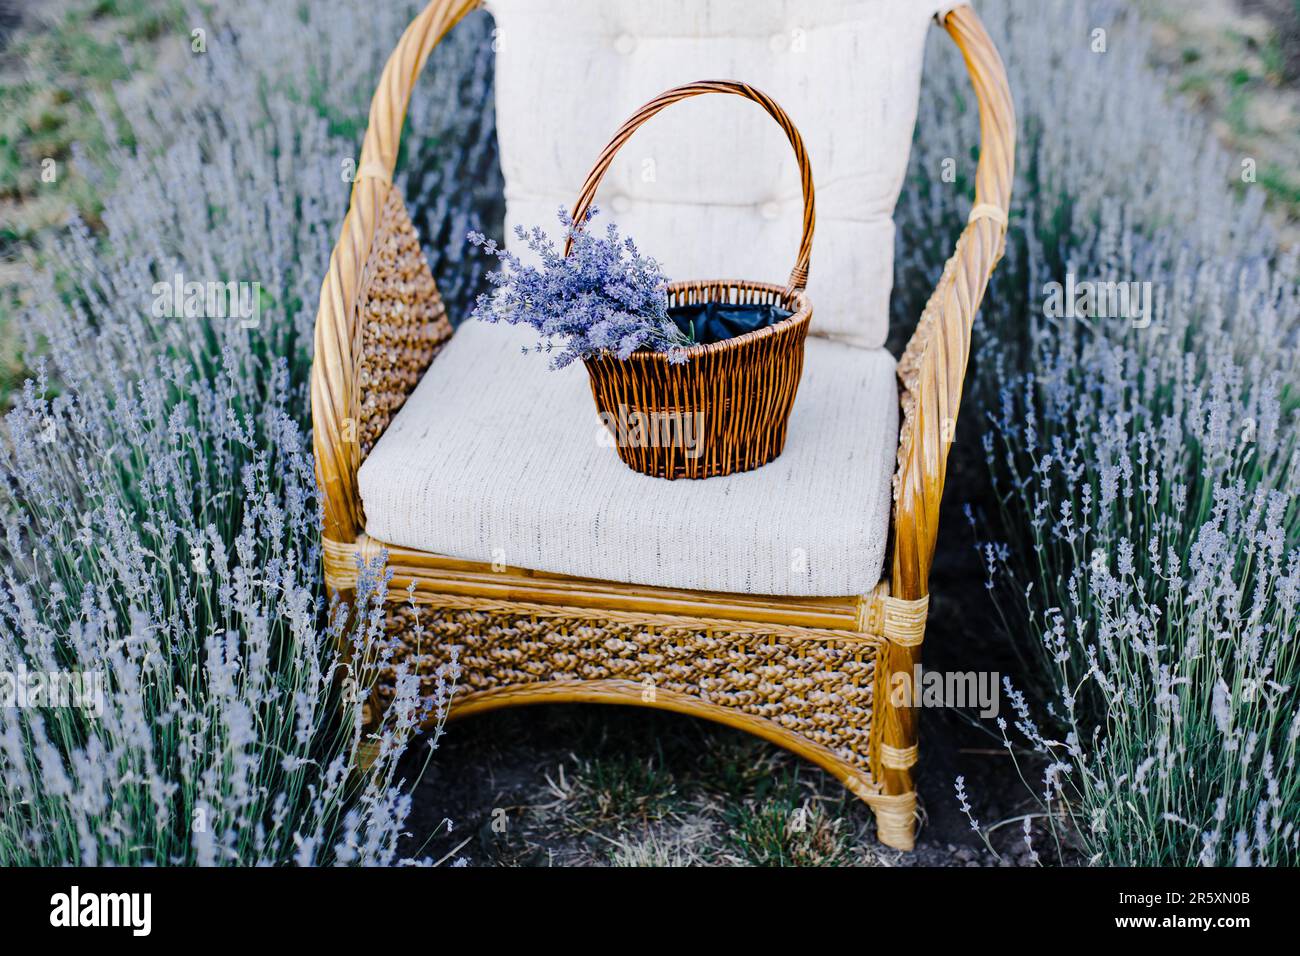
[497, 458]
[709, 186]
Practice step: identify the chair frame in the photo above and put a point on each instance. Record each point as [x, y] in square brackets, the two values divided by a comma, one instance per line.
[810, 674]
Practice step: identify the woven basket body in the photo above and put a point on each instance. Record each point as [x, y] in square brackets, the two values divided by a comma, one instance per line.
[722, 411]
[726, 408]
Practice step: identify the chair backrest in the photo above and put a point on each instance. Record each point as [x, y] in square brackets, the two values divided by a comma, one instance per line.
[710, 187]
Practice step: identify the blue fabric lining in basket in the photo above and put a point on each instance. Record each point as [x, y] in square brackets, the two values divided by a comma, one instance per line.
[718, 321]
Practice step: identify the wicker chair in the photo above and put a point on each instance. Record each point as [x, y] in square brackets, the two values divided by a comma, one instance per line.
[809, 673]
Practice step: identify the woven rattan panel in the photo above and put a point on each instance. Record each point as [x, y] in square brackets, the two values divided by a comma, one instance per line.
[819, 688]
[403, 322]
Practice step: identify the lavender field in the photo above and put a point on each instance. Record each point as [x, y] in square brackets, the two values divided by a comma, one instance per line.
[1122, 539]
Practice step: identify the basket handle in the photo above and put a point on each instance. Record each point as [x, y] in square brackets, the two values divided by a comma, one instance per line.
[799, 274]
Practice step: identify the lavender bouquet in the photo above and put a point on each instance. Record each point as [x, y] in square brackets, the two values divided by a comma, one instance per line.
[604, 297]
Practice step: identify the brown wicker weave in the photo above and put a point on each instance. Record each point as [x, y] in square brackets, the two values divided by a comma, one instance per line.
[810, 674]
[737, 393]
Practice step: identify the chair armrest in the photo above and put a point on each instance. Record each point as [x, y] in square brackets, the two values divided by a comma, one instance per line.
[934, 362]
[380, 319]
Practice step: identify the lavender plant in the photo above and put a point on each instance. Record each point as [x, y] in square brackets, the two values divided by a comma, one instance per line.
[160, 521]
[1151, 496]
[603, 297]
[1143, 540]
[227, 715]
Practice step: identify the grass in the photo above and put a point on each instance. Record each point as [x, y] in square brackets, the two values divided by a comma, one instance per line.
[618, 786]
[59, 116]
[788, 828]
[58, 101]
[602, 786]
[1236, 69]
[621, 790]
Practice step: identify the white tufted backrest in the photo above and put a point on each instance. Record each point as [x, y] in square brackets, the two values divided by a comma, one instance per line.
[709, 187]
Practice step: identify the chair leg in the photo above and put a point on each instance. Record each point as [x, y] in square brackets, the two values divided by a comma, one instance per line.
[895, 750]
[895, 819]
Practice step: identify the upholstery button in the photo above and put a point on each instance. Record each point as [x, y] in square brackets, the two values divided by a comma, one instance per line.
[769, 210]
[624, 44]
[620, 204]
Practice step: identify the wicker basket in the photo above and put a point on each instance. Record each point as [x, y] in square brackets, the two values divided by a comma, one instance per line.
[726, 408]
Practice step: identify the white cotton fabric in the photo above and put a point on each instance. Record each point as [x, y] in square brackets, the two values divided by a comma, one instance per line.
[709, 187]
[497, 458]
